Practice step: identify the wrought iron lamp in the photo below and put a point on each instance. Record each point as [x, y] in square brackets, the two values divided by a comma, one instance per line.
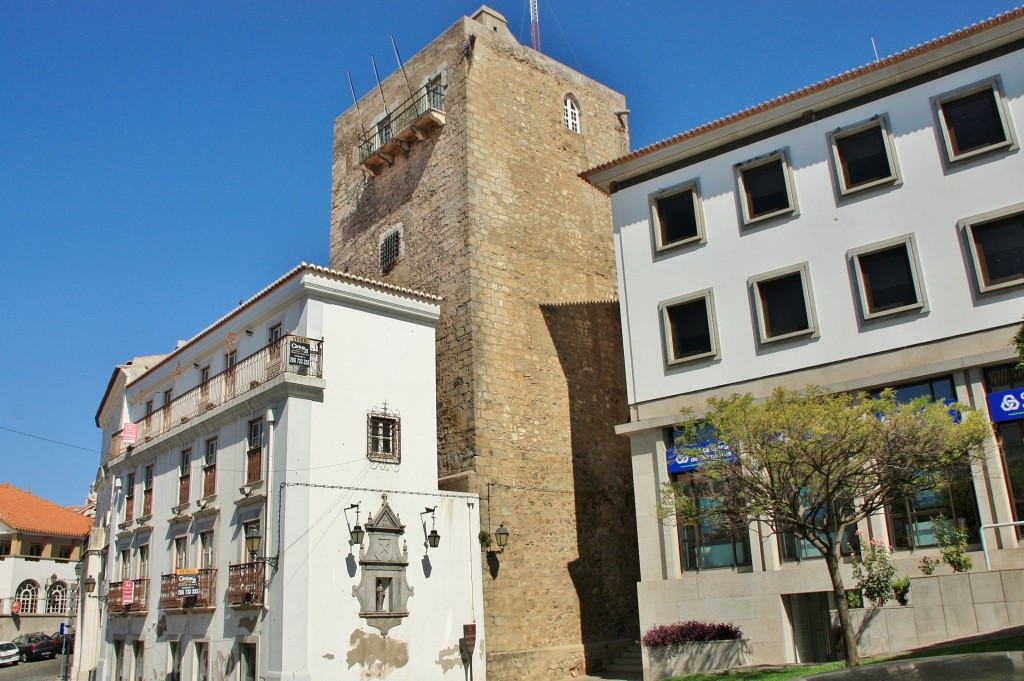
[433, 538]
[501, 537]
[253, 538]
[357, 533]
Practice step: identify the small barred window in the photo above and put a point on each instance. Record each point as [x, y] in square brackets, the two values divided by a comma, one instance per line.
[571, 114]
[383, 436]
[390, 249]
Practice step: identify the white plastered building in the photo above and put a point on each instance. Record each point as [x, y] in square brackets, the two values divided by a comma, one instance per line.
[861, 233]
[305, 412]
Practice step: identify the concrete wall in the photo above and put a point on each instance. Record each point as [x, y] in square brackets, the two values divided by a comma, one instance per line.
[928, 202]
[943, 607]
[378, 348]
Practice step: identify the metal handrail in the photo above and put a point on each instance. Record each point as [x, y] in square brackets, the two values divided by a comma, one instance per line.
[269, 361]
[428, 97]
[984, 547]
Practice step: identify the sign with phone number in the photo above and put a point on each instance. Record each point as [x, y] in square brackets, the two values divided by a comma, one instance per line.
[1006, 405]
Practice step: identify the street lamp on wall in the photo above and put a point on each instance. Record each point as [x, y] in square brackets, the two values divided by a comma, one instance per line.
[501, 537]
[356, 533]
[433, 538]
[253, 538]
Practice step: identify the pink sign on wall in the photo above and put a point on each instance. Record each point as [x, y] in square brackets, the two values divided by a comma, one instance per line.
[127, 592]
[130, 433]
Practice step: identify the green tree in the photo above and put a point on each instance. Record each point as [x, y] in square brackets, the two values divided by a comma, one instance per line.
[815, 463]
[1018, 342]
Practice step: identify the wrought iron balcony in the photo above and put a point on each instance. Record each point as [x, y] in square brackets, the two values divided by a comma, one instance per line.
[140, 601]
[410, 122]
[245, 376]
[170, 600]
[246, 582]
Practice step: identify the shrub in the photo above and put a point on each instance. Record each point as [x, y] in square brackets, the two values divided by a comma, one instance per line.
[690, 632]
[900, 589]
[874, 572]
[952, 541]
[928, 565]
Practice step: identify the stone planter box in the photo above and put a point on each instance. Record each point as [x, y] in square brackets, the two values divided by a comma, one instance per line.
[665, 662]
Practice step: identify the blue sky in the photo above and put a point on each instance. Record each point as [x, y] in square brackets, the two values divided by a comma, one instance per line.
[160, 161]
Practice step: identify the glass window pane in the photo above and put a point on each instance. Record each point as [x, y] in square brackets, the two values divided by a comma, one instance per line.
[973, 122]
[677, 218]
[888, 279]
[1000, 248]
[690, 330]
[783, 305]
[765, 186]
[863, 157]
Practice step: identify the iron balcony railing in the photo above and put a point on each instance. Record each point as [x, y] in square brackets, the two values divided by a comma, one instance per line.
[140, 599]
[170, 600]
[246, 582]
[248, 374]
[427, 98]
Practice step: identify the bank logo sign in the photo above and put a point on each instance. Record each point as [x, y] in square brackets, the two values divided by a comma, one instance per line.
[1006, 405]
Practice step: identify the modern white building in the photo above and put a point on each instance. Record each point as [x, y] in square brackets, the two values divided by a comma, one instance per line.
[861, 233]
[40, 543]
[269, 504]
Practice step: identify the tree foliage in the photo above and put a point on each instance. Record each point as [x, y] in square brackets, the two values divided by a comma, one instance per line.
[815, 463]
[1018, 342]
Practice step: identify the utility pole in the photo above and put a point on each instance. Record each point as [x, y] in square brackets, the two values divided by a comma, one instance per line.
[534, 26]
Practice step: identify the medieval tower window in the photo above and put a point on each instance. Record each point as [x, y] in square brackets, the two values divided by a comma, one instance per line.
[571, 113]
[390, 250]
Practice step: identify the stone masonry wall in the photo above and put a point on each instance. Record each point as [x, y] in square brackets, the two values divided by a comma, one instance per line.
[530, 375]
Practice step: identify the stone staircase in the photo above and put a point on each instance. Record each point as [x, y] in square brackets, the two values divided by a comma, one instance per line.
[627, 666]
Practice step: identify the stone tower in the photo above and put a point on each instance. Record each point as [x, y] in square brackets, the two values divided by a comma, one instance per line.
[465, 185]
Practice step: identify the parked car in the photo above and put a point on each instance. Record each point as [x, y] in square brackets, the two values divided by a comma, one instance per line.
[60, 639]
[8, 653]
[36, 646]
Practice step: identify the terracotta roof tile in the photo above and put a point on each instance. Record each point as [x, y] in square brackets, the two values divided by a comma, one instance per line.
[965, 32]
[25, 512]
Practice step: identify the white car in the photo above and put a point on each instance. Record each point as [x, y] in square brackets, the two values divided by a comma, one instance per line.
[8, 653]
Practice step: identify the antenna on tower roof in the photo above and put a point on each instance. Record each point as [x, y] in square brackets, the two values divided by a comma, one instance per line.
[534, 26]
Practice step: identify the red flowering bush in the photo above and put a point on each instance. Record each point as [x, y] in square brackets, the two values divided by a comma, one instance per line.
[690, 632]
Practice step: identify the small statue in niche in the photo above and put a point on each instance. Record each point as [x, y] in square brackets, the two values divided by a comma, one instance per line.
[381, 592]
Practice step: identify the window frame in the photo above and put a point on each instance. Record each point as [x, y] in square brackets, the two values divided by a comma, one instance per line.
[571, 117]
[995, 86]
[881, 122]
[804, 272]
[781, 156]
[695, 539]
[666, 327]
[967, 227]
[388, 266]
[657, 233]
[909, 244]
[376, 454]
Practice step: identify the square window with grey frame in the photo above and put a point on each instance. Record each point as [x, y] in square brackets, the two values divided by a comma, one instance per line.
[782, 301]
[973, 120]
[676, 216]
[996, 244]
[888, 278]
[688, 327]
[862, 156]
[765, 187]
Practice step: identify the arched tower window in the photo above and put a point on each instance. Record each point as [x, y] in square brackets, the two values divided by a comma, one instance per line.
[571, 114]
[57, 598]
[28, 596]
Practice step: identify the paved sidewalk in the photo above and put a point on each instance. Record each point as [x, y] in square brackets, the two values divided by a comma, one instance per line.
[973, 667]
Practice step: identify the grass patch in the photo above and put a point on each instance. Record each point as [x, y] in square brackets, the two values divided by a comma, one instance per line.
[797, 671]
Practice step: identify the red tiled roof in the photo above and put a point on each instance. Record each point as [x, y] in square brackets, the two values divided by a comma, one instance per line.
[25, 512]
[965, 32]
